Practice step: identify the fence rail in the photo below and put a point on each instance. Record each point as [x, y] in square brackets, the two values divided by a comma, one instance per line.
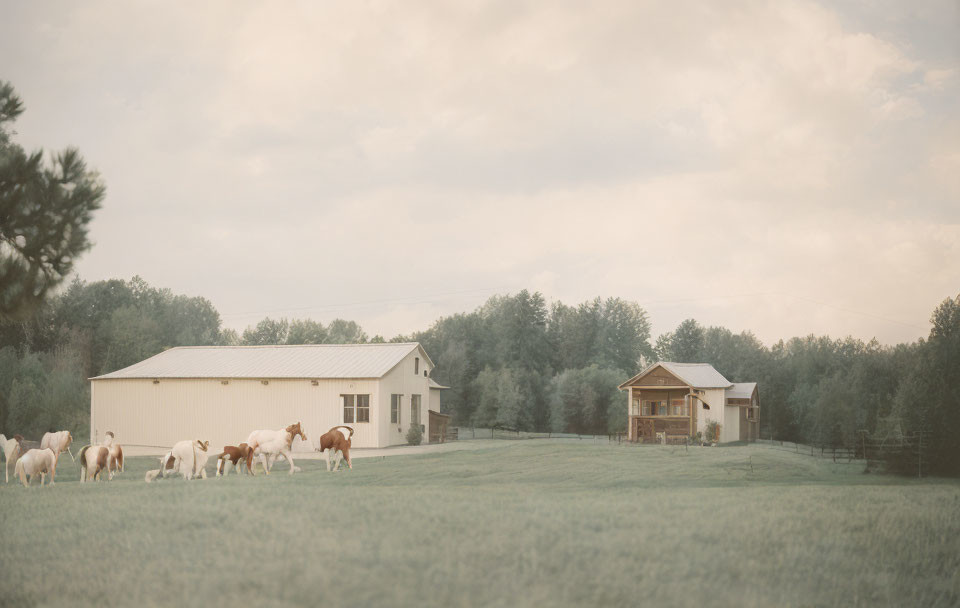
[468, 433]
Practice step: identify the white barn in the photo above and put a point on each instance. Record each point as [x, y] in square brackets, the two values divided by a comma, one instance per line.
[222, 393]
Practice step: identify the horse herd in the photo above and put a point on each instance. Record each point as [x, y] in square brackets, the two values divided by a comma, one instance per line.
[187, 458]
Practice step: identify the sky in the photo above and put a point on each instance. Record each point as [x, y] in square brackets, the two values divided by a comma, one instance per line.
[786, 168]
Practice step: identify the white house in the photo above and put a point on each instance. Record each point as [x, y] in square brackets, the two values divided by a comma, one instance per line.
[679, 399]
[222, 393]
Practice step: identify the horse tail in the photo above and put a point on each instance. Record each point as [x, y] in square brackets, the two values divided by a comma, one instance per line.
[120, 457]
[82, 457]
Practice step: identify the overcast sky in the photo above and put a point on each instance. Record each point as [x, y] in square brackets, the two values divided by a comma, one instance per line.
[782, 167]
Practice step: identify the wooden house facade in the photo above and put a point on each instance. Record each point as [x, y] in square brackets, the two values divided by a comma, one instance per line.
[669, 401]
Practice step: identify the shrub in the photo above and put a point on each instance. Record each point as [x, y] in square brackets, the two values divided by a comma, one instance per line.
[414, 435]
[713, 431]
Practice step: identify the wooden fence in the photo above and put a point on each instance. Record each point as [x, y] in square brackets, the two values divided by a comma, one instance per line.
[467, 433]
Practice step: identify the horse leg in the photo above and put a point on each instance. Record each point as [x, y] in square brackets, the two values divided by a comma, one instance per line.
[263, 461]
[327, 454]
[289, 457]
[336, 467]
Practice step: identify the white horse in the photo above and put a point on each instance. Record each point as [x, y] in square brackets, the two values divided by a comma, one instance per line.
[36, 461]
[189, 458]
[12, 448]
[59, 442]
[271, 444]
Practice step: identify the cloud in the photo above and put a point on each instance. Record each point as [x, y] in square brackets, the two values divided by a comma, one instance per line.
[282, 158]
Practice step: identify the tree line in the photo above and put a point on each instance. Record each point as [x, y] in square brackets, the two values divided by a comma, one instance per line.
[515, 362]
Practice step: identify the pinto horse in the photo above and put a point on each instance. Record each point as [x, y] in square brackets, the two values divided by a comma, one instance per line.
[93, 460]
[338, 440]
[114, 456]
[37, 461]
[12, 448]
[235, 455]
[59, 442]
[271, 444]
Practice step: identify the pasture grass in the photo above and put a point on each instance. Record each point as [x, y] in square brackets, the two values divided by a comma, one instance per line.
[539, 522]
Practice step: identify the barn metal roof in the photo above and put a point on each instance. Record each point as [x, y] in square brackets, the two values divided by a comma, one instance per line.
[299, 361]
[741, 390]
[697, 375]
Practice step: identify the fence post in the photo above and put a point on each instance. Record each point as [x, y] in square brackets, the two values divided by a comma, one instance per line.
[920, 455]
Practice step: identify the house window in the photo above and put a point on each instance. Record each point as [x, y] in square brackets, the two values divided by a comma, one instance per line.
[661, 408]
[414, 409]
[356, 408]
[635, 409]
[686, 408]
[416, 365]
[646, 408]
[363, 408]
[677, 406]
[349, 401]
[395, 409]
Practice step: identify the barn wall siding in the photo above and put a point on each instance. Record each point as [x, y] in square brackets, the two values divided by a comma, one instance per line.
[149, 417]
[402, 380]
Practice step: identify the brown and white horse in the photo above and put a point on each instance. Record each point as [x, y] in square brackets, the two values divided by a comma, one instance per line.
[235, 455]
[94, 459]
[59, 442]
[271, 444]
[338, 440]
[12, 448]
[115, 455]
[36, 461]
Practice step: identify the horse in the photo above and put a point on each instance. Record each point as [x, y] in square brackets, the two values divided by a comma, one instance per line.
[12, 448]
[234, 455]
[37, 461]
[114, 456]
[93, 460]
[337, 440]
[273, 444]
[59, 442]
[114, 459]
[166, 464]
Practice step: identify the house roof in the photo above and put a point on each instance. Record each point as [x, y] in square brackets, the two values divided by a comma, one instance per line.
[741, 390]
[697, 375]
[434, 384]
[299, 361]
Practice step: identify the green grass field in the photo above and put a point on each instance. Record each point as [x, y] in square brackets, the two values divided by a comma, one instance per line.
[541, 522]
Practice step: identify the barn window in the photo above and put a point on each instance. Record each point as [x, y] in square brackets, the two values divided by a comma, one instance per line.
[416, 365]
[414, 409]
[363, 408]
[395, 409]
[348, 408]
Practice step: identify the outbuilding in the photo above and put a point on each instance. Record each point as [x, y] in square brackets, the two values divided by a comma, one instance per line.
[222, 393]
